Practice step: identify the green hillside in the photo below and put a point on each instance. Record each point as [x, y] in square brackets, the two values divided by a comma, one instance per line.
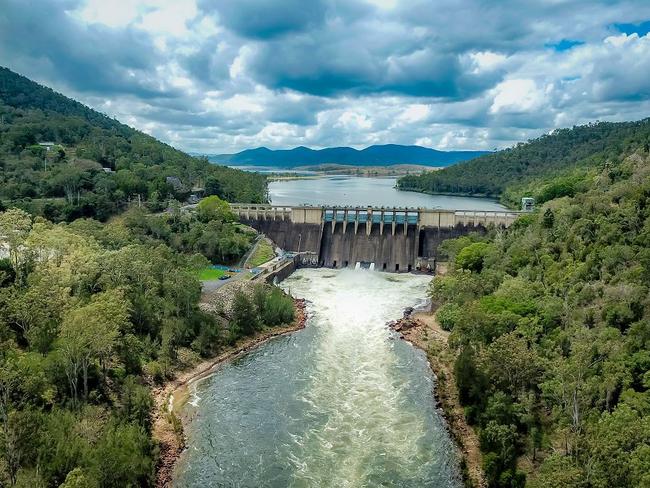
[570, 153]
[97, 164]
[550, 322]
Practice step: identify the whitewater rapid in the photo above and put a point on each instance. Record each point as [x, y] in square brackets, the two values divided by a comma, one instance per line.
[343, 403]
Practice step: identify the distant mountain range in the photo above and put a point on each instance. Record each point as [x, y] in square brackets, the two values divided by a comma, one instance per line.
[383, 155]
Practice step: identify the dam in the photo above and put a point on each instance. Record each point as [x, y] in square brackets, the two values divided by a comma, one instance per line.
[391, 239]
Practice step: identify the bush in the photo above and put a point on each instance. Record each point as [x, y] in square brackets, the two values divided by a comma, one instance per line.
[448, 315]
[278, 308]
[244, 316]
[472, 256]
[156, 371]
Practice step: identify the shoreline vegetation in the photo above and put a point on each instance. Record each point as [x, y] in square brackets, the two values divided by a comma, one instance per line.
[169, 399]
[315, 172]
[423, 331]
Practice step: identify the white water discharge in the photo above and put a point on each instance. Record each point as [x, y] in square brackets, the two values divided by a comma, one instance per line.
[343, 403]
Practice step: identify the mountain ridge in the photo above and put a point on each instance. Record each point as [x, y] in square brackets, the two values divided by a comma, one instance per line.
[93, 165]
[565, 152]
[375, 155]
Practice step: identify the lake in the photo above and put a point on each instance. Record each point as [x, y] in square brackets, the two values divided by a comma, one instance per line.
[362, 191]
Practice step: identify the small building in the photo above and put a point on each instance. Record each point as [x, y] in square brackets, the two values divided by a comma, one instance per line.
[527, 204]
[47, 145]
[107, 170]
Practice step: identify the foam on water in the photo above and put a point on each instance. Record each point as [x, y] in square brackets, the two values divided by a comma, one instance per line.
[341, 404]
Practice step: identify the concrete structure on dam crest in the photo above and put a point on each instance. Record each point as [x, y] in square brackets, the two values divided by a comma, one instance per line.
[388, 239]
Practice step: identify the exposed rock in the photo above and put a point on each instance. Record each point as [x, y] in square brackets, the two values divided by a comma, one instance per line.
[405, 323]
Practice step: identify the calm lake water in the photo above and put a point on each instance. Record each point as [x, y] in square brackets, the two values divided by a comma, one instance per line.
[342, 403]
[360, 191]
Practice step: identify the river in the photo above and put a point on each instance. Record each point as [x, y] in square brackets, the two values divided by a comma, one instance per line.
[342, 403]
[362, 191]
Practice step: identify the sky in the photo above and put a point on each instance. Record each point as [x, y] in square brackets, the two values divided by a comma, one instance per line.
[214, 76]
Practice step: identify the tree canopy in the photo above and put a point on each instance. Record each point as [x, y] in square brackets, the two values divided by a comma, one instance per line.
[551, 322]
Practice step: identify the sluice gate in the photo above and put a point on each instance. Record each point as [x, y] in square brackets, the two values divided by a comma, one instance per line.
[387, 239]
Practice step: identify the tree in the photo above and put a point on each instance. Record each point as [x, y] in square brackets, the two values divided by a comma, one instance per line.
[214, 208]
[89, 333]
[511, 364]
[123, 457]
[471, 257]
[548, 219]
[77, 478]
[558, 471]
[244, 315]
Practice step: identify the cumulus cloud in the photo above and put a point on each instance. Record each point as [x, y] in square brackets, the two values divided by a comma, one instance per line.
[223, 75]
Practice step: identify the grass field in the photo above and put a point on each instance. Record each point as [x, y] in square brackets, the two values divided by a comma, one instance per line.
[207, 274]
[263, 253]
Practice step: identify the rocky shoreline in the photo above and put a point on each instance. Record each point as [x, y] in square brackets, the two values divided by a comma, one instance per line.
[169, 398]
[423, 331]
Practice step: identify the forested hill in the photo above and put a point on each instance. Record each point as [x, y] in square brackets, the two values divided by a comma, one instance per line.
[567, 152]
[378, 155]
[97, 164]
[551, 322]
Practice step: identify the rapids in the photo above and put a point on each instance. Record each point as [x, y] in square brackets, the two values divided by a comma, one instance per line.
[342, 403]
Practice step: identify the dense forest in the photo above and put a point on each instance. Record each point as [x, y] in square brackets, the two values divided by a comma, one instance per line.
[95, 165]
[97, 308]
[551, 322]
[534, 168]
[91, 316]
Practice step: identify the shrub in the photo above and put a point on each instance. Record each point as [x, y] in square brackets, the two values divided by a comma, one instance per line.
[448, 315]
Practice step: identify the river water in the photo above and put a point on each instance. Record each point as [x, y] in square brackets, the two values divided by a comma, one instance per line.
[342, 403]
[362, 191]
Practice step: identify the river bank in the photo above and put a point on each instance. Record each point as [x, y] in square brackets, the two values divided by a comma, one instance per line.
[169, 399]
[423, 331]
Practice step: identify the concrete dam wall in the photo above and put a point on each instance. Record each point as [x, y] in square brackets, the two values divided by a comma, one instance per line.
[393, 239]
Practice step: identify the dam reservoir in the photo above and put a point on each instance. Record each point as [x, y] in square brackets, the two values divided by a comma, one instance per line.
[342, 403]
[366, 191]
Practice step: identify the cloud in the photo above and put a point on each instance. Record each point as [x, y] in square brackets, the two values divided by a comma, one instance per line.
[264, 19]
[223, 75]
[85, 57]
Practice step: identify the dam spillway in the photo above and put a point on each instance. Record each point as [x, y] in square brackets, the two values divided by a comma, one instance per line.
[392, 239]
[340, 404]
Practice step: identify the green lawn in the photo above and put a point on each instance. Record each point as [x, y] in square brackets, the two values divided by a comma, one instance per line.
[263, 253]
[207, 274]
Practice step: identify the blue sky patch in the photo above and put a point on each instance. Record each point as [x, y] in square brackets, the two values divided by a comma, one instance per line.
[564, 44]
[641, 29]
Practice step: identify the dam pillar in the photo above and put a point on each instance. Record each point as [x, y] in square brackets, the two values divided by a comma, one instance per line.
[369, 221]
[381, 224]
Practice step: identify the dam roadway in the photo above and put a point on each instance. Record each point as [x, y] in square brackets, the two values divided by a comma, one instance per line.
[387, 239]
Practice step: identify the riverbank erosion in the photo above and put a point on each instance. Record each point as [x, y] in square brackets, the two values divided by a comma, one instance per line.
[169, 420]
[423, 331]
